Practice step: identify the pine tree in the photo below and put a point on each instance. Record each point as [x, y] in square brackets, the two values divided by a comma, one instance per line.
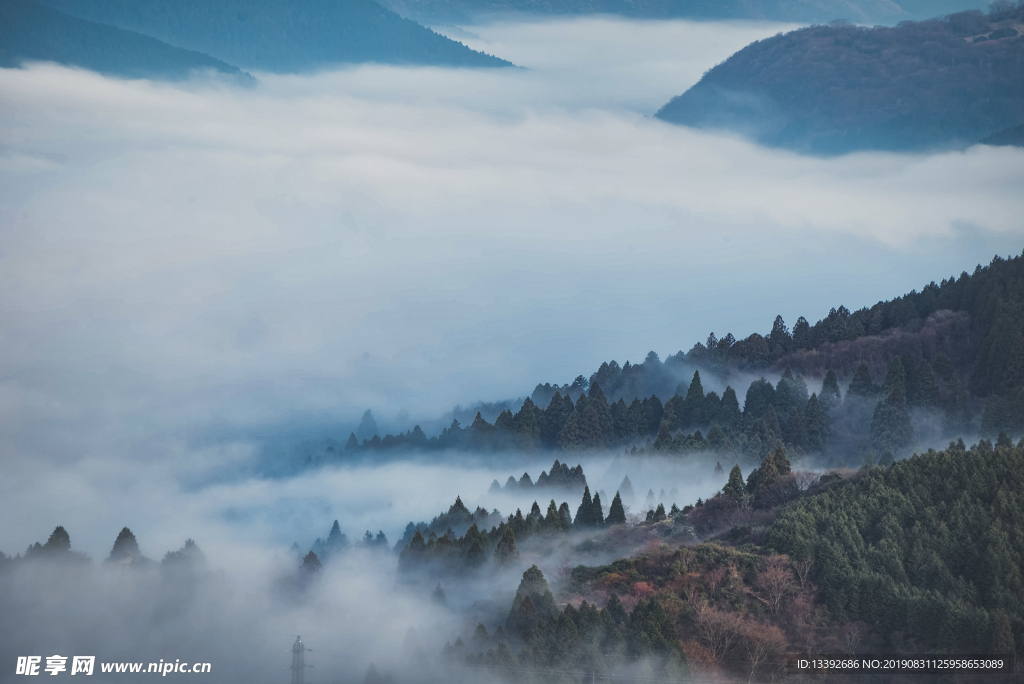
[814, 419]
[125, 547]
[626, 488]
[926, 389]
[59, 541]
[507, 552]
[861, 385]
[616, 514]
[890, 425]
[438, 597]
[565, 517]
[830, 397]
[768, 473]
[734, 487]
[352, 444]
[583, 513]
[693, 405]
[596, 512]
[1002, 635]
[311, 563]
[729, 413]
[796, 432]
[782, 464]
[895, 377]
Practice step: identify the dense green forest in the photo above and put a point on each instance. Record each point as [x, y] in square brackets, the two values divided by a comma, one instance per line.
[924, 555]
[32, 32]
[855, 387]
[947, 82]
[277, 35]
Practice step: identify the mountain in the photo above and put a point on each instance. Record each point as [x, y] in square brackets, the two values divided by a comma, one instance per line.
[283, 36]
[32, 32]
[803, 11]
[1009, 136]
[942, 83]
[926, 366]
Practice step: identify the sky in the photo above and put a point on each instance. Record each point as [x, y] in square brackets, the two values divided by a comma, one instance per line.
[184, 266]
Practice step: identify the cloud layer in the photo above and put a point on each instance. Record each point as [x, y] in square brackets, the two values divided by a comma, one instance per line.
[188, 268]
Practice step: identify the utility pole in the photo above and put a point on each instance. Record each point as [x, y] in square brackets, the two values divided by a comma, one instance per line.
[299, 661]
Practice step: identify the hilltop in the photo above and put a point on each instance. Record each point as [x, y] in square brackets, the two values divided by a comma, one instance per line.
[281, 36]
[942, 83]
[32, 32]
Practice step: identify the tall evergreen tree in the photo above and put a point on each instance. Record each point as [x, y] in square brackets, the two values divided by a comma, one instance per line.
[584, 512]
[861, 385]
[596, 512]
[830, 397]
[895, 377]
[693, 405]
[734, 487]
[814, 419]
[890, 424]
[125, 546]
[311, 563]
[59, 541]
[616, 514]
[729, 414]
[782, 464]
[507, 552]
[926, 389]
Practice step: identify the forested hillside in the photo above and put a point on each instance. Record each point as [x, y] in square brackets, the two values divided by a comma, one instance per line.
[855, 387]
[947, 82]
[277, 35]
[33, 32]
[922, 556]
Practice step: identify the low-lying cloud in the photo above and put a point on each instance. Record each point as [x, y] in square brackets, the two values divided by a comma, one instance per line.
[186, 269]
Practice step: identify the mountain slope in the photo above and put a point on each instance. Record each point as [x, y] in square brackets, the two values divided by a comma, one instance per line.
[32, 32]
[832, 89]
[804, 11]
[277, 35]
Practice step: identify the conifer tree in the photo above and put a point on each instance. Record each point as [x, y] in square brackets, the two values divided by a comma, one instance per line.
[626, 489]
[814, 419]
[796, 432]
[59, 541]
[1002, 635]
[782, 464]
[352, 444]
[311, 563]
[616, 514]
[693, 405]
[583, 513]
[596, 512]
[861, 385]
[895, 377]
[729, 413]
[926, 389]
[125, 546]
[564, 517]
[507, 551]
[890, 425]
[734, 487]
[438, 597]
[830, 397]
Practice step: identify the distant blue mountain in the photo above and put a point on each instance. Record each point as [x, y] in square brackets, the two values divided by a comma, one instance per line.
[283, 35]
[801, 11]
[33, 32]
